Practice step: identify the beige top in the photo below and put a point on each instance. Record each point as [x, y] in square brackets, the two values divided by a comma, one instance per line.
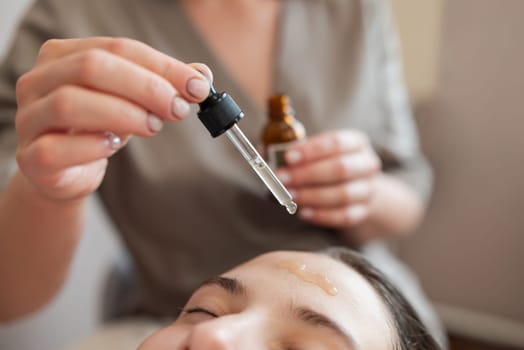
[188, 206]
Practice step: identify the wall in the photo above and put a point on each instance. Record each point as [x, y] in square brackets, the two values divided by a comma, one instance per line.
[469, 253]
[420, 26]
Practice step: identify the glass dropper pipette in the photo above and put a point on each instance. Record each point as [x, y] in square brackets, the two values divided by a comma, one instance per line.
[219, 113]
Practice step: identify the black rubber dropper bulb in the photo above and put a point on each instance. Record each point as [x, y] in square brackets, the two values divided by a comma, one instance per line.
[219, 113]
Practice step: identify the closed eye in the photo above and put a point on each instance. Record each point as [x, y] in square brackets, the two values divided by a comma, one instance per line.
[195, 310]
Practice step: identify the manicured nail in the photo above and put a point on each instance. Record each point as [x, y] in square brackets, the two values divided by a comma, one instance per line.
[126, 140]
[293, 157]
[284, 176]
[359, 189]
[357, 213]
[198, 88]
[306, 213]
[328, 144]
[113, 141]
[154, 123]
[180, 107]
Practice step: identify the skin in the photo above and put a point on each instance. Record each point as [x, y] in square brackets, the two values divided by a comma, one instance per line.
[260, 318]
[80, 89]
[240, 21]
[336, 176]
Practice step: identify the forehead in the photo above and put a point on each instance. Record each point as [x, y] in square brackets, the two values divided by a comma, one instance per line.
[273, 280]
[306, 270]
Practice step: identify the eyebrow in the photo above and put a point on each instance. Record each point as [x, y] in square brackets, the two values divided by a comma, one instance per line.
[301, 313]
[231, 285]
[316, 319]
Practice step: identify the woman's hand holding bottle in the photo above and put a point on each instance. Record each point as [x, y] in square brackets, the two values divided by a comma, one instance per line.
[332, 177]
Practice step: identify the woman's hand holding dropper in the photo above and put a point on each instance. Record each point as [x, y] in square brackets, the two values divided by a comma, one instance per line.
[81, 89]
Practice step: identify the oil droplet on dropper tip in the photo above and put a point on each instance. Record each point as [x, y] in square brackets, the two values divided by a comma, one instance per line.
[292, 208]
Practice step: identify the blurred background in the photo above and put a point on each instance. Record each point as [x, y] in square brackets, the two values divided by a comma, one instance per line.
[466, 75]
[464, 67]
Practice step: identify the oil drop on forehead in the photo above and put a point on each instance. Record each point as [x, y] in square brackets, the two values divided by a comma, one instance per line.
[301, 271]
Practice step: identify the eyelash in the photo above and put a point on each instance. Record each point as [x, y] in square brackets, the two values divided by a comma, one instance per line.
[197, 309]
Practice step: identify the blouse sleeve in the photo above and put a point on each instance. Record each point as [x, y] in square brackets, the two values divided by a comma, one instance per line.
[398, 147]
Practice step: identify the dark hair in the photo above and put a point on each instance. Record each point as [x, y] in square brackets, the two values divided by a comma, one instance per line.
[411, 332]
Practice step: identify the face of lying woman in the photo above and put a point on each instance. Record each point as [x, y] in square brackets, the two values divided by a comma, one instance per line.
[281, 301]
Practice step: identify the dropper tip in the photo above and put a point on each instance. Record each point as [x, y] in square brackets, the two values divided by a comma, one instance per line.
[292, 208]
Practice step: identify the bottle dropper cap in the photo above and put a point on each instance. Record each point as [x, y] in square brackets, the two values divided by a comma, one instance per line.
[219, 112]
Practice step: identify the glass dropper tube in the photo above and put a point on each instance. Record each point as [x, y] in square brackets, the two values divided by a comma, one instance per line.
[237, 137]
[219, 113]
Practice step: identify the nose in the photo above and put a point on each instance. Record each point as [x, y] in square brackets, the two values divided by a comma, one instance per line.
[233, 332]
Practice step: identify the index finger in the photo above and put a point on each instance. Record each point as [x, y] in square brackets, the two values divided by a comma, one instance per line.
[178, 73]
[325, 145]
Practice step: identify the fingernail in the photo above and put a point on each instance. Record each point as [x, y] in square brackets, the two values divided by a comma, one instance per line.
[293, 193]
[180, 107]
[293, 157]
[357, 213]
[306, 213]
[113, 141]
[154, 123]
[284, 176]
[360, 189]
[198, 88]
[126, 140]
[328, 144]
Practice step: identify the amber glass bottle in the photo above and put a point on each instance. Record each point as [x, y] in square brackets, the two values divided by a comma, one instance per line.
[281, 130]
